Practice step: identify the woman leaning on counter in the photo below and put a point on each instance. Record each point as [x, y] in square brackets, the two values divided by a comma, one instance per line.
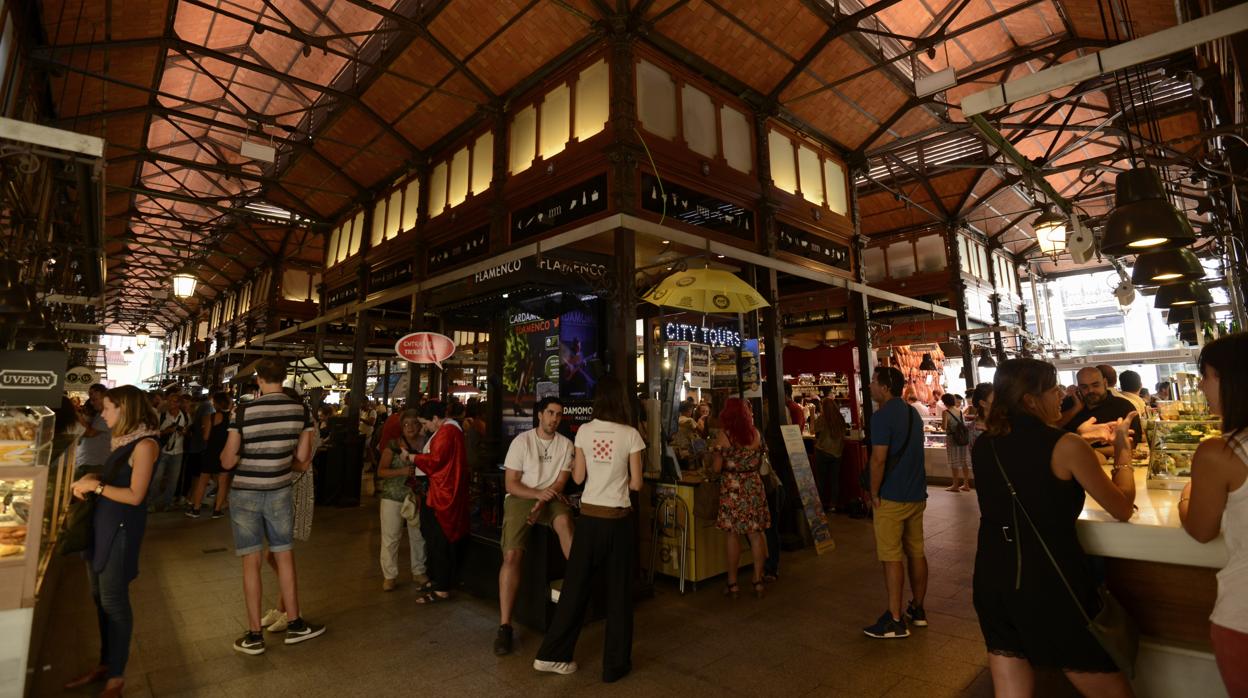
[1217, 500]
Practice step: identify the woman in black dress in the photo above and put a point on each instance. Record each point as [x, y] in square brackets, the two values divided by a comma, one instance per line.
[120, 519]
[1025, 612]
[215, 430]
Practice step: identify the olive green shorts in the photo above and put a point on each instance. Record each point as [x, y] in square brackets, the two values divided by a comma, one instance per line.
[515, 519]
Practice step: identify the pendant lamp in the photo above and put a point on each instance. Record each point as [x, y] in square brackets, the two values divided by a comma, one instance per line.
[128, 352]
[985, 359]
[1143, 217]
[184, 284]
[1182, 295]
[141, 336]
[1166, 267]
[927, 364]
[1183, 314]
[1050, 229]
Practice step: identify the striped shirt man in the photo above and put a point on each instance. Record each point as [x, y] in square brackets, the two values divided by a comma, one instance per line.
[269, 428]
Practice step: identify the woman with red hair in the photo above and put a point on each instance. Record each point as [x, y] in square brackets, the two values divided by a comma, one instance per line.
[738, 454]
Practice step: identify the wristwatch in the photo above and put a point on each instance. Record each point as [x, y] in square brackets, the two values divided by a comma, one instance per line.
[99, 489]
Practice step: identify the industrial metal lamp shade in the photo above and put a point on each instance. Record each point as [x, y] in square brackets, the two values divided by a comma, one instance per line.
[128, 352]
[927, 364]
[1181, 295]
[1185, 314]
[986, 360]
[1143, 218]
[1050, 229]
[1166, 267]
[141, 336]
[184, 285]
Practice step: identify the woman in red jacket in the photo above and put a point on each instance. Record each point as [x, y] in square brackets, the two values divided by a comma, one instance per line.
[444, 516]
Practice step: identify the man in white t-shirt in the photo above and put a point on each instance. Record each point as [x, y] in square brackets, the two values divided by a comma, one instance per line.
[538, 465]
[168, 473]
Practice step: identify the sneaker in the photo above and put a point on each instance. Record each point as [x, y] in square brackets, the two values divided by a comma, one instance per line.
[217, 514]
[916, 615]
[503, 641]
[274, 621]
[192, 513]
[388, 584]
[887, 629]
[564, 668]
[298, 630]
[250, 643]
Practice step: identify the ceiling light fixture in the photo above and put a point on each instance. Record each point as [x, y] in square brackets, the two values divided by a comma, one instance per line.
[184, 285]
[1050, 229]
[985, 359]
[1143, 217]
[927, 364]
[1166, 267]
[141, 336]
[1182, 294]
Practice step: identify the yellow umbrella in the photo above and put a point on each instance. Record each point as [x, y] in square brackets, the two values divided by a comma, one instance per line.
[706, 291]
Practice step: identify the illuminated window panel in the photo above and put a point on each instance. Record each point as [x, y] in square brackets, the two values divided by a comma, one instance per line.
[482, 163]
[593, 90]
[811, 175]
[458, 190]
[982, 255]
[900, 259]
[357, 223]
[411, 200]
[393, 211]
[555, 120]
[964, 252]
[698, 122]
[331, 250]
[656, 100]
[344, 241]
[437, 190]
[873, 264]
[523, 140]
[736, 128]
[931, 252]
[783, 168]
[295, 285]
[834, 183]
[378, 232]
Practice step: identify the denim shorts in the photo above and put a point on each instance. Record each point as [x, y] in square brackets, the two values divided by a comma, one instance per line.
[257, 515]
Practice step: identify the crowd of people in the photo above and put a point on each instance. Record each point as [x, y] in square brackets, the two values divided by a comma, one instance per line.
[1034, 448]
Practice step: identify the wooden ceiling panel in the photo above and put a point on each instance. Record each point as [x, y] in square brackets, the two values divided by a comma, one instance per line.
[702, 29]
[391, 96]
[530, 43]
[421, 61]
[788, 24]
[375, 164]
[1147, 17]
[917, 120]
[199, 25]
[80, 21]
[435, 116]
[76, 94]
[353, 127]
[464, 25]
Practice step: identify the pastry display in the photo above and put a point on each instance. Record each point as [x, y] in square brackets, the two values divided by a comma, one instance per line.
[23, 432]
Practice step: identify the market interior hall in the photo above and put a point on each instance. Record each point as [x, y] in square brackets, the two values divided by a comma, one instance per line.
[458, 213]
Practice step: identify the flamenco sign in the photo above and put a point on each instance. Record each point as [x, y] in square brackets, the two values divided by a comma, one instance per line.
[425, 348]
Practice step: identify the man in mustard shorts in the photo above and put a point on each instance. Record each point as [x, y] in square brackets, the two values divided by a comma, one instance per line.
[538, 465]
[899, 496]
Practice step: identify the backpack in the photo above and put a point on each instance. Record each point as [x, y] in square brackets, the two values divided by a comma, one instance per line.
[958, 432]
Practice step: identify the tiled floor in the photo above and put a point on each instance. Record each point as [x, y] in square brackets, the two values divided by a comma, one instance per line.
[803, 638]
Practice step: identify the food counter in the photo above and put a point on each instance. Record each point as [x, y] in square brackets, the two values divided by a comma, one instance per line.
[692, 513]
[1167, 582]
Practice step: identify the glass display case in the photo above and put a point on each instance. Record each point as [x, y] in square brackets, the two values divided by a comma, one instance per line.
[933, 434]
[1174, 434]
[36, 471]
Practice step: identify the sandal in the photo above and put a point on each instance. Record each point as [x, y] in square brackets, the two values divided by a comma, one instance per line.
[732, 590]
[426, 588]
[771, 578]
[760, 589]
[954, 488]
[97, 674]
[431, 597]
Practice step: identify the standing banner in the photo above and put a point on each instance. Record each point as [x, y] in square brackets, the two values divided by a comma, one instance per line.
[812, 507]
[724, 367]
[699, 366]
[751, 372]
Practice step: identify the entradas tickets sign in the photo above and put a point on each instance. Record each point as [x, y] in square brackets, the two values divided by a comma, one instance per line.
[425, 348]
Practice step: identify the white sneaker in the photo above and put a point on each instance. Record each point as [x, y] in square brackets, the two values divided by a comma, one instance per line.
[564, 668]
[274, 621]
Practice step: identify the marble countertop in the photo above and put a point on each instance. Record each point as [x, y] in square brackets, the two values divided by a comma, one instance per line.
[1153, 534]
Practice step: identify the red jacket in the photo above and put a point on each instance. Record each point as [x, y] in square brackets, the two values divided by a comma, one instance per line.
[446, 465]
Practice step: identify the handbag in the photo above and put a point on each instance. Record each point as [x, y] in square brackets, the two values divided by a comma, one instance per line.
[864, 477]
[1113, 627]
[303, 495]
[79, 526]
[410, 509]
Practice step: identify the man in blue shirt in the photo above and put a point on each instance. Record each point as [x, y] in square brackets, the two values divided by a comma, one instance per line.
[899, 496]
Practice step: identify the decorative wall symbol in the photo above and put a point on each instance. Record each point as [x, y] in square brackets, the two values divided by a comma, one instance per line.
[813, 247]
[695, 208]
[458, 250]
[585, 199]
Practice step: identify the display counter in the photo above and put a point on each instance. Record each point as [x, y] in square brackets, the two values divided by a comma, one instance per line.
[693, 515]
[1167, 581]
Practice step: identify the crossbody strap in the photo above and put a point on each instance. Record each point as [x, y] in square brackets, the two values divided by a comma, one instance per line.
[1018, 505]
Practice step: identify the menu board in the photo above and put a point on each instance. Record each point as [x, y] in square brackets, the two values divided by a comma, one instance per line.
[812, 507]
[724, 367]
[699, 366]
[751, 372]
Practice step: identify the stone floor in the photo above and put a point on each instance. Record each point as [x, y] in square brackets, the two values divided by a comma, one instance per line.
[804, 638]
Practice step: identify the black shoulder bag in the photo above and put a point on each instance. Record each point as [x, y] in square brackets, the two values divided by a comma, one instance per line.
[79, 530]
[1112, 627]
[864, 478]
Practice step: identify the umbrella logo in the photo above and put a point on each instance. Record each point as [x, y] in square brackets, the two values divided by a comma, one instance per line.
[659, 294]
[685, 281]
[720, 301]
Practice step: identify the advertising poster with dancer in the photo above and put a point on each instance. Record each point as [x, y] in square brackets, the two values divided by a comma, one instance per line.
[580, 366]
[530, 368]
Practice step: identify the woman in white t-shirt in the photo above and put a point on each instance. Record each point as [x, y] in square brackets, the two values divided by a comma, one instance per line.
[608, 462]
[1216, 500]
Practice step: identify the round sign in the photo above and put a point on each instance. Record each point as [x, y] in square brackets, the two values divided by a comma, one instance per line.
[425, 348]
[720, 301]
[685, 281]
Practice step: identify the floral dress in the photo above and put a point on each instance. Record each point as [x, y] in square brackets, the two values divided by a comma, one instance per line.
[742, 499]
